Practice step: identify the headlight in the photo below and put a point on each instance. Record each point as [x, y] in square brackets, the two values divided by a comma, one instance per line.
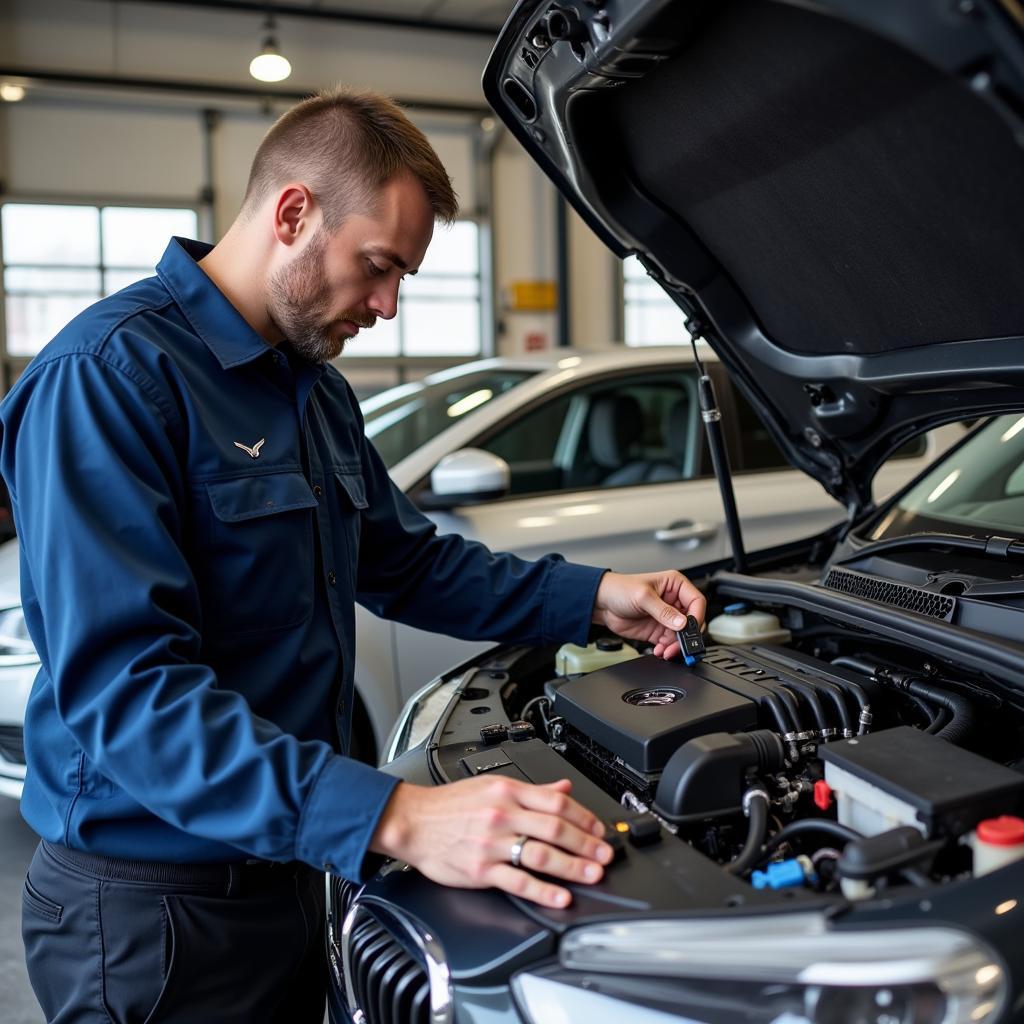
[420, 715]
[791, 968]
[16, 647]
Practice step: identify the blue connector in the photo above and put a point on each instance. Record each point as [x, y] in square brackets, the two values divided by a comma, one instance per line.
[784, 874]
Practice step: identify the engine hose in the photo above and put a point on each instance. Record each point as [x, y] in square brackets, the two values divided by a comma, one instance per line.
[755, 802]
[810, 694]
[803, 825]
[961, 709]
[940, 721]
[936, 718]
[835, 693]
[865, 669]
[962, 723]
[786, 702]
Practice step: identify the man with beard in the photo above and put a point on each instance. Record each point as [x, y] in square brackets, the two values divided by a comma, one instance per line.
[199, 509]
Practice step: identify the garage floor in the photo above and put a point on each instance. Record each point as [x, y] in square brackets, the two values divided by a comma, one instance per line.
[17, 844]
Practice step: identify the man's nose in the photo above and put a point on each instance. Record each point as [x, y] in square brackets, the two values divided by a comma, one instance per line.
[384, 302]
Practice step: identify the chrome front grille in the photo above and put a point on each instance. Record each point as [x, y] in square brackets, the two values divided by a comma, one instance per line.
[385, 982]
[895, 595]
[389, 969]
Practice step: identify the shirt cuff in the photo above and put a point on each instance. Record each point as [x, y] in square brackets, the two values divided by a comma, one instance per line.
[569, 601]
[340, 817]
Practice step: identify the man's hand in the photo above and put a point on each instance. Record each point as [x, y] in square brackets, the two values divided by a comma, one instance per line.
[648, 606]
[462, 834]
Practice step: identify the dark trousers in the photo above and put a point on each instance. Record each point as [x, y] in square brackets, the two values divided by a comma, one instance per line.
[133, 942]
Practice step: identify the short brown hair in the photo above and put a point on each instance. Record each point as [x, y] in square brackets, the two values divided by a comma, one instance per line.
[344, 145]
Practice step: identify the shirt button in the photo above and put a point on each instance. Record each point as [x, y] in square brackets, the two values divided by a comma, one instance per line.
[318, 490]
[328, 866]
[331, 578]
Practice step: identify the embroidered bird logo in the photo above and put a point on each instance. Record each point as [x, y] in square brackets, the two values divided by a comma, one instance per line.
[254, 451]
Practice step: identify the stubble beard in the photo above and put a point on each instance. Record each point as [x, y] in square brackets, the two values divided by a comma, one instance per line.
[298, 304]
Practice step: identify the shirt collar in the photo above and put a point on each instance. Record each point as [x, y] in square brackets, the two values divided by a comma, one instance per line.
[224, 330]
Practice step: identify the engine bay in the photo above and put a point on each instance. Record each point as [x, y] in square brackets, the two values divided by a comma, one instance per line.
[806, 751]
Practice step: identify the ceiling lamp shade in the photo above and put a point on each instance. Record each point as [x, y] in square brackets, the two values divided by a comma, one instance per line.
[269, 65]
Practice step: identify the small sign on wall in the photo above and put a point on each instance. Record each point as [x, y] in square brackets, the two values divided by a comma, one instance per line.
[532, 296]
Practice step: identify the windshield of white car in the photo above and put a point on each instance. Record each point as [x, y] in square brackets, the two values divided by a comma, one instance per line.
[975, 491]
[417, 413]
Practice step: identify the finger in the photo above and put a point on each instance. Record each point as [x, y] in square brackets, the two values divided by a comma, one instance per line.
[660, 611]
[686, 597]
[668, 652]
[549, 800]
[549, 860]
[556, 831]
[523, 884]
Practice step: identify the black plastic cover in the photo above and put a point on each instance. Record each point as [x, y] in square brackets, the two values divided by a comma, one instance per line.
[950, 788]
[644, 710]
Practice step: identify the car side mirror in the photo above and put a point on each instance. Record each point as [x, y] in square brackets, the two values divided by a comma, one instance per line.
[466, 477]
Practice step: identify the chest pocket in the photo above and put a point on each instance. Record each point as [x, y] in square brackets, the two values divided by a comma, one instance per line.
[351, 490]
[255, 564]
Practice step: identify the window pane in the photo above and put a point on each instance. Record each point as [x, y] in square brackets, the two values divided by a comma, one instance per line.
[134, 237]
[32, 320]
[45, 282]
[651, 317]
[460, 287]
[115, 280]
[421, 413]
[528, 446]
[650, 323]
[441, 327]
[453, 250]
[33, 233]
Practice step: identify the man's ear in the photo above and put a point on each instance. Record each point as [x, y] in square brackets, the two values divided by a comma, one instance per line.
[295, 213]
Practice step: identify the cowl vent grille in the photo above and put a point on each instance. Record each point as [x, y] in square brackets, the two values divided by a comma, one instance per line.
[895, 595]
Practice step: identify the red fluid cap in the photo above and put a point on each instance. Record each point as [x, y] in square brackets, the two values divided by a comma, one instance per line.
[823, 795]
[1002, 831]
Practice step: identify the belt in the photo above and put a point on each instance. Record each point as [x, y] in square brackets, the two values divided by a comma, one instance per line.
[229, 879]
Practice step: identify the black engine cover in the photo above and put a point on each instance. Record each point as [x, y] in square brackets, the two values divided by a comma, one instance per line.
[644, 710]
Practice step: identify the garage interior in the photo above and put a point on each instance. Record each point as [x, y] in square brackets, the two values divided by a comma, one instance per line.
[124, 122]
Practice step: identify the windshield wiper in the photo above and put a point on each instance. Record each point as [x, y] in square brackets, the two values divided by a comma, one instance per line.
[992, 547]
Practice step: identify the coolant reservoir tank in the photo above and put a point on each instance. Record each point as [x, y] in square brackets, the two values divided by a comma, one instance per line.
[572, 659]
[739, 624]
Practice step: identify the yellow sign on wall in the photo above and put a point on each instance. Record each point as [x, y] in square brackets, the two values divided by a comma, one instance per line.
[533, 296]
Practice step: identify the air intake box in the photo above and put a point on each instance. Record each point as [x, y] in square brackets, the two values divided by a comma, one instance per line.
[644, 710]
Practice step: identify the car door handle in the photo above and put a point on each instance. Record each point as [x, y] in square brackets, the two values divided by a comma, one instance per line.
[686, 530]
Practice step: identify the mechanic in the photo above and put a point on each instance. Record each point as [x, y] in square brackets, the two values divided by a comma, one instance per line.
[198, 510]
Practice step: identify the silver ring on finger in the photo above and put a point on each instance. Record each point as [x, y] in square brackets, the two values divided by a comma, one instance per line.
[515, 855]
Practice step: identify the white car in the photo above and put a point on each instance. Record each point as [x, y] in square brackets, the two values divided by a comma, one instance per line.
[599, 456]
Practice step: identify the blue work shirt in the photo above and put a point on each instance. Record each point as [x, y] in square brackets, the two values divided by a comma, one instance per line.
[198, 512]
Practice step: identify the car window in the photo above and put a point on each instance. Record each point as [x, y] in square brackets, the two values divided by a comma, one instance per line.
[642, 428]
[401, 422]
[977, 488]
[757, 452]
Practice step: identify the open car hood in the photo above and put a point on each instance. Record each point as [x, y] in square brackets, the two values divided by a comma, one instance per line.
[832, 191]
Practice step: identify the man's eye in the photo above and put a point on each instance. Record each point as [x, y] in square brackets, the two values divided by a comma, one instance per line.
[374, 270]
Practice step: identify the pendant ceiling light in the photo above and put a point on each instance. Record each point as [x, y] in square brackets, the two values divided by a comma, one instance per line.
[269, 65]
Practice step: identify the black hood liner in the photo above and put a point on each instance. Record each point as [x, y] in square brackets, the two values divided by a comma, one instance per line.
[816, 161]
[832, 189]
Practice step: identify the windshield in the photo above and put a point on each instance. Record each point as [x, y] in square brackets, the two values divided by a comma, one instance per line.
[401, 420]
[977, 489]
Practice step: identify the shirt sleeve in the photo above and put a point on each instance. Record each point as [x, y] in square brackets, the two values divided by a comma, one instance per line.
[447, 584]
[89, 451]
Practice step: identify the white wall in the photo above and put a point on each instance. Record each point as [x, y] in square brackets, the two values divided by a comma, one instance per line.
[86, 142]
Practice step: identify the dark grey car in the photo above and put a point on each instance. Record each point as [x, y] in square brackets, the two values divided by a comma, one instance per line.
[821, 819]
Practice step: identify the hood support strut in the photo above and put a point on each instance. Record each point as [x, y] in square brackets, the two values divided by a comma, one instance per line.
[712, 417]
